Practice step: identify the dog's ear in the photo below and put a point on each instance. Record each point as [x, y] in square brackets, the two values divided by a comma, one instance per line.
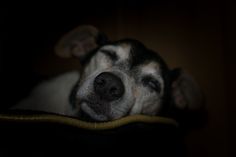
[79, 42]
[186, 94]
[188, 100]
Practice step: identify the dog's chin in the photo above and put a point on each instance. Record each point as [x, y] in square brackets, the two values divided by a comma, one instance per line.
[86, 113]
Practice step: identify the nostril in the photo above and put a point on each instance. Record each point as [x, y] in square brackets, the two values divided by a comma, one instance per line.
[116, 92]
[113, 91]
[100, 81]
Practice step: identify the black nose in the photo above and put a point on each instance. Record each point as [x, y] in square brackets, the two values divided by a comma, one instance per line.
[108, 86]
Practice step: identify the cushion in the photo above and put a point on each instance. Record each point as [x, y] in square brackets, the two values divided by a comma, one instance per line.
[39, 133]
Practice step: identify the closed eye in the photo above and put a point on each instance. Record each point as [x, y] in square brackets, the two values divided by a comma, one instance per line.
[152, 83]
[111, 54]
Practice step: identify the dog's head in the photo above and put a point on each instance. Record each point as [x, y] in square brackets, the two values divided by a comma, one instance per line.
[124, 78]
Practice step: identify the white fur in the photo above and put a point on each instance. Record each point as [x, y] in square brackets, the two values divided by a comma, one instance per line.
[52, 96]
[122, 51]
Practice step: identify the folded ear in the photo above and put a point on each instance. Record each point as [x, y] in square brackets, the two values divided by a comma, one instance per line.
[188, 101]
[186, 94]
[79, 42]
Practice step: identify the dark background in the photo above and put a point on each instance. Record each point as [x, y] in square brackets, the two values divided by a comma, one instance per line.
[196, 35]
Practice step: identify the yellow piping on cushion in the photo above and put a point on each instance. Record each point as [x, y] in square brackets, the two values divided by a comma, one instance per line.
[88, 125]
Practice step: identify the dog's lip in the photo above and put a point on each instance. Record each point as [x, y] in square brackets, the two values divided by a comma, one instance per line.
[85, 107]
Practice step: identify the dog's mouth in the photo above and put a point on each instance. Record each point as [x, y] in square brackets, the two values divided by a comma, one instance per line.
[91, 111]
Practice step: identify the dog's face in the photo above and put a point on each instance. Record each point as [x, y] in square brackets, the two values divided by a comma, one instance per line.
[122, 78]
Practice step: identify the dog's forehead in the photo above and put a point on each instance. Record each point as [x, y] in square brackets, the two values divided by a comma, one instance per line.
[134, 54]
[122, 50]
[138, 54]
[150, 68]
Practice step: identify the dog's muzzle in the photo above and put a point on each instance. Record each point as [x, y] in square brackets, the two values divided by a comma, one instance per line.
[108, 86]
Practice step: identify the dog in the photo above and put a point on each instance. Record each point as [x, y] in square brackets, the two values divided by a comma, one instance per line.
[118, 78]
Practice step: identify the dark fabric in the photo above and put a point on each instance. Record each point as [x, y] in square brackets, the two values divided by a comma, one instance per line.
[39, 139]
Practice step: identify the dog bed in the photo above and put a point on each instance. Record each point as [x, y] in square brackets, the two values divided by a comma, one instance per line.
[38, 133]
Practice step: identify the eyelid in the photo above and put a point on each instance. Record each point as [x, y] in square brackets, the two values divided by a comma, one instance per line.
[110, 53]
[149, 79]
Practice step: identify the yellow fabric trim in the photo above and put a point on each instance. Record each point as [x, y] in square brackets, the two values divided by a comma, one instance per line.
[88, 125]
